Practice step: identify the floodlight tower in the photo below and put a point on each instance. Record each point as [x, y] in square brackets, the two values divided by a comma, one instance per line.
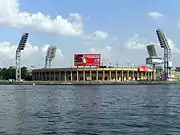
[47, 56]
[167, 53]
[50, 55]
[20, 48]
[153, 59]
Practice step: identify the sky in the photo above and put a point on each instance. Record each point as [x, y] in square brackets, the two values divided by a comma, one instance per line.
[119, 30]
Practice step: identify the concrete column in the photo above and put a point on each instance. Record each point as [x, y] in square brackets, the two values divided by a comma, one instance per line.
[110, 76]
[59, 76]
[137, 75]
[71, 76]
[97, 76]
[36, 77]
[45, 74]
[151, 75]
[77, 79]
[42, 75]
[154, 74]
[49, 76]
[144, 75]
[122, 76]
[65, 77]
[39, 76]
[84, 75]
[141, 76]
[133, 75]
[90, 75]
[54, 76]
[127, 75]
[103, 74]
[116, 76]
[33, 74]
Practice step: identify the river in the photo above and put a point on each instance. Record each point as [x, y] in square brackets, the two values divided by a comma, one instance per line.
[90, 110]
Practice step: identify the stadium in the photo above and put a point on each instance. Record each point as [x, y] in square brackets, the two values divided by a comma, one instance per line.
[91, 74]
[88, 67]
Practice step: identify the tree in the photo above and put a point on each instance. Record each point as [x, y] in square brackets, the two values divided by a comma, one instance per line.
[4, 73]
[24, 73]
[10, 73]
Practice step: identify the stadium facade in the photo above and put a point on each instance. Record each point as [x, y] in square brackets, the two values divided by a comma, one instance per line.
[91, 74]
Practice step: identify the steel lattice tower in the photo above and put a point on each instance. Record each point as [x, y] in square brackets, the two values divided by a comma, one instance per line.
[20, 47]
[50, 55]
[167, 53]
[153, 59]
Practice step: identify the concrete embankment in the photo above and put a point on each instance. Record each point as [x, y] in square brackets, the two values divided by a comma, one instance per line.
[90, 83]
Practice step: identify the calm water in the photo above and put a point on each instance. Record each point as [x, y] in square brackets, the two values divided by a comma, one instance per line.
[90, 110]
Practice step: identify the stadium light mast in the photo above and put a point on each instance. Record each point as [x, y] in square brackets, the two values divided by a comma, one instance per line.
[20, 48]
[167, 53]
[153, 59]
[50, 55]
[47, 56]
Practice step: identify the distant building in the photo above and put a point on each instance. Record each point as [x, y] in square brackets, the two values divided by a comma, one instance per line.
[29, 72]
[177, 69]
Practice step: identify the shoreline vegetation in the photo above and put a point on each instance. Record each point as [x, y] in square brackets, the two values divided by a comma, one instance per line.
[89, 83]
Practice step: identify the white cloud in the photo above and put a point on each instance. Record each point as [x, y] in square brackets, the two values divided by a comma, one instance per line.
[155, 15]
[101, 35]
[11, 16]
[138, 43]
[178, 24]
[173, 46]
[135, 53]
[32, 55]
[106, 53]
[135, 43]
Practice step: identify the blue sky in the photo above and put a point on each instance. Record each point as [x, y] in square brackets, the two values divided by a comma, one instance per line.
[119, 19]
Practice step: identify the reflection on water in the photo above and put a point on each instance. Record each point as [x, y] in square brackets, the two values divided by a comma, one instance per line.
[81, 110]
[84, 114]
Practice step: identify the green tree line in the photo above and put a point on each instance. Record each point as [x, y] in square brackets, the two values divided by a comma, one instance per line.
[10, 73]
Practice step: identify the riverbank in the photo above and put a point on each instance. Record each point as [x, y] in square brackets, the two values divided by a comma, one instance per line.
[89, 83]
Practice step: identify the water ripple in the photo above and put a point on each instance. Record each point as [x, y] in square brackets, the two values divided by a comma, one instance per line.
[90, 110]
